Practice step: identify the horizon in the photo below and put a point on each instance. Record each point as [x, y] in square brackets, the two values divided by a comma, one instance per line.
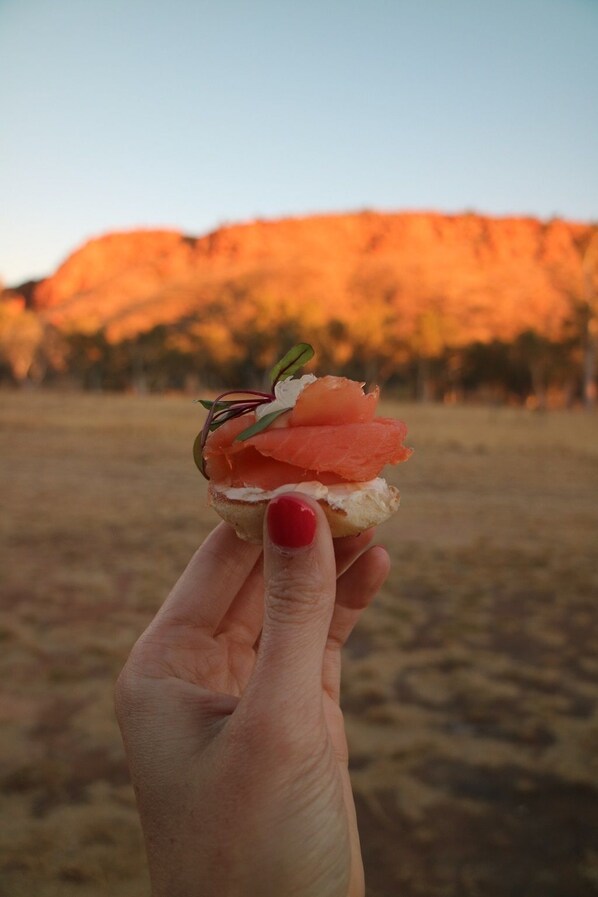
[206, 117]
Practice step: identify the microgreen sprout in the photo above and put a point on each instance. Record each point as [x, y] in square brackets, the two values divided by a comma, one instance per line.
[223, 409]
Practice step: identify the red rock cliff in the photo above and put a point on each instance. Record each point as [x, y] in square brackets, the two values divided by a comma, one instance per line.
[485, 278]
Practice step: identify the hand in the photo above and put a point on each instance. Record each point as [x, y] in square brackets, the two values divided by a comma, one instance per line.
[228, 706]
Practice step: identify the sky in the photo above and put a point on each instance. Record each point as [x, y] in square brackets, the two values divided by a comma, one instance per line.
[119, 114]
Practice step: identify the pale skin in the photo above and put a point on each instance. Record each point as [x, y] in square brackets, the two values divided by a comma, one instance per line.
[229, 711]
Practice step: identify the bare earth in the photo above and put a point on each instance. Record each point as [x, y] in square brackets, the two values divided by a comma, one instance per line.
[470, 687]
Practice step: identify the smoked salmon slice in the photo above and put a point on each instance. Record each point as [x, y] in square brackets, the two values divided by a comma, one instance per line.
[355, 452]
[334, 400]
[250, 468]
[331, 435]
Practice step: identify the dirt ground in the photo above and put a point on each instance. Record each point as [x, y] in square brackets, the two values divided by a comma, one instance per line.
[470, 687]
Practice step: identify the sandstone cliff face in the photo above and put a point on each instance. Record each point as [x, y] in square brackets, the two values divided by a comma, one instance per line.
[473, 277]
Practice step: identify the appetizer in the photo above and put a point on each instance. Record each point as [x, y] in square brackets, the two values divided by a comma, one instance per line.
[316, 435]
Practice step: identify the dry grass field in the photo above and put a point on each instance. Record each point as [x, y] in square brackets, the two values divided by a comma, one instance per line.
[470, 687]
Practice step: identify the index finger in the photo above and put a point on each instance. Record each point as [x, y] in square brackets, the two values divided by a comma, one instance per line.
[210, 582]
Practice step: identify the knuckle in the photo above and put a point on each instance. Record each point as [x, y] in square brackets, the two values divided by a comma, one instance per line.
[293, 597]
[129, 693]
[287, 737]
[123, 690]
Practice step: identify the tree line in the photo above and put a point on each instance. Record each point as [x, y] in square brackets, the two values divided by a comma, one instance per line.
[212, 353]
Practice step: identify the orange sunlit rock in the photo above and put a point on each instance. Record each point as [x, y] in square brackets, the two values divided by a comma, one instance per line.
[436, 279]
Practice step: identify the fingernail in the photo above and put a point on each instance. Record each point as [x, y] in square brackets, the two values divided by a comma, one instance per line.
[291, 522]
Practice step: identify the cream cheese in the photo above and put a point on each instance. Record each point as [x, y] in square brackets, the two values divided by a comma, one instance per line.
[287, 392]
[341, 496]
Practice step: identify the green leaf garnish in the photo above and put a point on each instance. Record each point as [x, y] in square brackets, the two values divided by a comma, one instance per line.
[206, 403]
[198, 454]
[260, 425]
[294, 359]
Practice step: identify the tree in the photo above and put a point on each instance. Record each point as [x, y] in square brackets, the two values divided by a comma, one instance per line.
[21, 337]
[590, 304]
[576, 274]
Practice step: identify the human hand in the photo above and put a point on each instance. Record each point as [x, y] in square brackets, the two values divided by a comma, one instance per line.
[228, 706]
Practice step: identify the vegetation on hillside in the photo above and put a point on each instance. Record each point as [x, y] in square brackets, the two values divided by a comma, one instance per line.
[436, 307]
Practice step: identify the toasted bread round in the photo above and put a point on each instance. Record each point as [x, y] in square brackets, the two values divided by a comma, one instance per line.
[364, 510]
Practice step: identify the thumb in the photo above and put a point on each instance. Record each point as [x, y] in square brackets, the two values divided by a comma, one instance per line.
[300, 588]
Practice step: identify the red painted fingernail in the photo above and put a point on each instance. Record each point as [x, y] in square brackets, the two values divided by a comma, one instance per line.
[291, 522]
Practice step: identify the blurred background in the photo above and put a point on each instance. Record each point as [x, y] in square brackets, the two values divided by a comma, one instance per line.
[189, 189]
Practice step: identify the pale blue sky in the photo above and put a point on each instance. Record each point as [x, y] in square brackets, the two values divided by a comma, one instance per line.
[117, 114]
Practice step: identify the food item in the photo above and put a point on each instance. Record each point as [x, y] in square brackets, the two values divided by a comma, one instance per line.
[319, 436]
